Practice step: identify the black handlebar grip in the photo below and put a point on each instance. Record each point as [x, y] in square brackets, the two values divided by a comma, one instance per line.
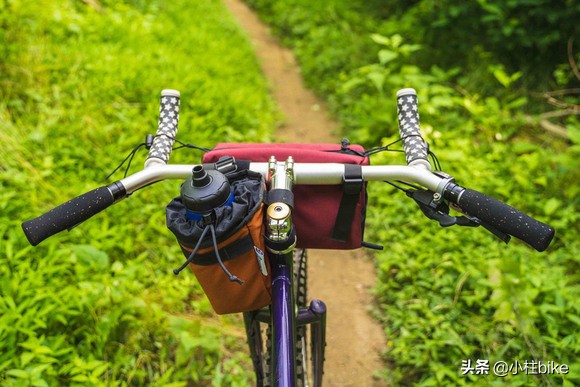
[166, 128]
[408, 113]
[68, 214]
[506, 219]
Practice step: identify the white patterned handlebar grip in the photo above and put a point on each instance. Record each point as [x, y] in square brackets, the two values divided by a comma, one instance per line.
[413, 144]
[166, 129]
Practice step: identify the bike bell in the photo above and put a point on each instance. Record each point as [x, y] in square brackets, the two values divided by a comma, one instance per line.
[205, 191]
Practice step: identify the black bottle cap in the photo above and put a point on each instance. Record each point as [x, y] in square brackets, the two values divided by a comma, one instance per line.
[205, 190]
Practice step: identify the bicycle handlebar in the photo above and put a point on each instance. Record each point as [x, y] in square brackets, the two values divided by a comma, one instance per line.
[71, 213]
[501, 216]
[166, 128]
[416, 150]
[489, 211]
[83, 207]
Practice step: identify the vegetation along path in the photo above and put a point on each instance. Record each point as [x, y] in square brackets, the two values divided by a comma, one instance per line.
[341, 278]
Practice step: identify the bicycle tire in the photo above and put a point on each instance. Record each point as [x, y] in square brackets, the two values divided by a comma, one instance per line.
[302, 345]
[255, 338]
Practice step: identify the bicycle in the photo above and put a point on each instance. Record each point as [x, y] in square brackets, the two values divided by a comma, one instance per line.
[280, 357]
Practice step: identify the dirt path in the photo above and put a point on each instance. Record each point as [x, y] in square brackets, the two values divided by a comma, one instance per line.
[341, 279]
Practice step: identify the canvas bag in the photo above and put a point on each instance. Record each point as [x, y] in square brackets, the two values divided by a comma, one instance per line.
[240, 236]
[321, 217]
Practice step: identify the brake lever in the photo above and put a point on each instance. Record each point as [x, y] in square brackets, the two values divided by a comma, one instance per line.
[499, 234]
[439, 211]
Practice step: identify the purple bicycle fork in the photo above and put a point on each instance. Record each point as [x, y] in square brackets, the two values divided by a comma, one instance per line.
[283, 322]
[283, 315]
[284, 319]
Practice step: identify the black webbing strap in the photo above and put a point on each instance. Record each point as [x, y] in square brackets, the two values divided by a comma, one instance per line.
[352, 185]
[227, 253]
[229, 164]
[280, 195]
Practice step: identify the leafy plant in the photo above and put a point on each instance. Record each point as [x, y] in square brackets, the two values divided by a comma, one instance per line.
[448, 295]
[79, 86]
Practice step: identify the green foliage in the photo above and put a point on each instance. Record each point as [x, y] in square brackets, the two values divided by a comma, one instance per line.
[79, 82]
[447, 295]
[325, 35]
[79, 88]
[366, 90]
[524, 35]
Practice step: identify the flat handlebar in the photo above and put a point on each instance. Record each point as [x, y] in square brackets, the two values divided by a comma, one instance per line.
[497, 214]
[83, 207]
[416, 149]
[501, 216]
[474, 204]
[166, 128]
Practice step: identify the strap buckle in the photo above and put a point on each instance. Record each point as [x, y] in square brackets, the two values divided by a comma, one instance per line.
[226, 164]
[352, 186]
[352, 180]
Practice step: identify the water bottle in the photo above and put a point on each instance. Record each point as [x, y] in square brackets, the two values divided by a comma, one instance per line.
[205, 191]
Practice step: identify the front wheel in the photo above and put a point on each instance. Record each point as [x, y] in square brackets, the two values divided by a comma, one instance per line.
[310, 343]
[300, 289]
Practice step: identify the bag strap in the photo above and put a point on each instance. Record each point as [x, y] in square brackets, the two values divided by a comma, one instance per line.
[352, 185]
[227, 253]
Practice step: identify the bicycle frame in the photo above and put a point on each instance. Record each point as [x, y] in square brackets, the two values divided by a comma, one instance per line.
[284, 323]
[281, 241]
[479, 209]
[283, 314]
[499, 218]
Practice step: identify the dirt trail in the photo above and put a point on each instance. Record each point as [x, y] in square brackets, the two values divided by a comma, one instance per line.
[341, 279]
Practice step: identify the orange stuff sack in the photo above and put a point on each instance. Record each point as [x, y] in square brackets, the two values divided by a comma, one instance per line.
[240, 241]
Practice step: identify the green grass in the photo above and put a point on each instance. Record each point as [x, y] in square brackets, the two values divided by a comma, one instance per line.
[79, 88]
[447, 295]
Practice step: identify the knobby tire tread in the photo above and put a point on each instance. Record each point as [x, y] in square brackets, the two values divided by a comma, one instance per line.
[300, 285]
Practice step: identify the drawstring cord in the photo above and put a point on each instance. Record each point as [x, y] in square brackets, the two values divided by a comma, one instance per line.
[232, 278]
[211, 228]
[190, 258]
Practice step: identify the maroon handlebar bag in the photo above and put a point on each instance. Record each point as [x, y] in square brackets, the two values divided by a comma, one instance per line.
[325, 216]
